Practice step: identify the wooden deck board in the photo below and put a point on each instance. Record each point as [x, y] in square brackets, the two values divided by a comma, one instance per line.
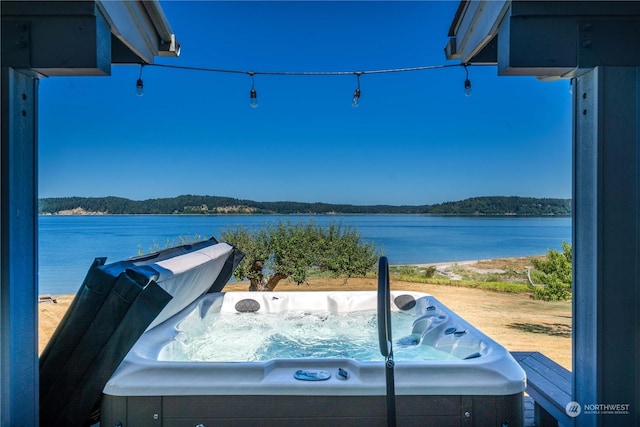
[548, 384]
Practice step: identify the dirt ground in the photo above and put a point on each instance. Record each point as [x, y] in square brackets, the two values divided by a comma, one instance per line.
[514, 320]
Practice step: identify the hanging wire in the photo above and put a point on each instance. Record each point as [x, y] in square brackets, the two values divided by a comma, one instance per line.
[312, 73]
[356, 95]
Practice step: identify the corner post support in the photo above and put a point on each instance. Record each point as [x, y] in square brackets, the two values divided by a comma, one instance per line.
[606, 236]
[18, 250]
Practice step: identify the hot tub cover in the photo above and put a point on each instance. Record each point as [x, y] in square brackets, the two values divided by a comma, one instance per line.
[115, 304]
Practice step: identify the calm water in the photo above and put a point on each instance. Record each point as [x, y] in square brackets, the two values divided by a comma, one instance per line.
[68, 244]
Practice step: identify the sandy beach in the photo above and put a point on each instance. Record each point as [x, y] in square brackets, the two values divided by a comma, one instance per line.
[516, 321]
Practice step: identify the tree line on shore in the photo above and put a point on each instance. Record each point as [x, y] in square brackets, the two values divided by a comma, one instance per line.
[211, 205]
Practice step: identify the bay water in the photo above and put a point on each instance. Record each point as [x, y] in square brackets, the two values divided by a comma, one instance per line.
[68, 244]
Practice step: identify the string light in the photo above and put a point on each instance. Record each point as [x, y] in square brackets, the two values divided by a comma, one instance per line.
[253, 94]
[311, 73]
[139, 83]
[356, 93]
[467, 82]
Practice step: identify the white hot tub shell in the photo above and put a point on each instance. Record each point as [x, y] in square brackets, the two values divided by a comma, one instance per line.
[482, 386]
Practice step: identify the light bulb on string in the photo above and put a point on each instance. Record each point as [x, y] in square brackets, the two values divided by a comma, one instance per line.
[467, 82]
[139, 83]
[254, 98]
[253, 95]
[356, 93]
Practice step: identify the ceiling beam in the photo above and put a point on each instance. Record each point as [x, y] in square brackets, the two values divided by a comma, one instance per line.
[543, 39]
[83, 38]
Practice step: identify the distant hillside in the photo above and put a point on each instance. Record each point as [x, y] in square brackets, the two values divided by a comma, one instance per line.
[212, 205]
[522, 206]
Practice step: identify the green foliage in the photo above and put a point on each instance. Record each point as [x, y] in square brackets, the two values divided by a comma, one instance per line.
[554, 290]
[430, 271]
[404, 270]
[343, 253]
[255, 246]
[292, 250]
[494, 281]
[521, 206]
[555, 273]
[207, 205]
[295, 249]
[414, 272]
[497, 286]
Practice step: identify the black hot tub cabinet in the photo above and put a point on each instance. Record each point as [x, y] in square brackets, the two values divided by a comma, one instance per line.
[477, 384]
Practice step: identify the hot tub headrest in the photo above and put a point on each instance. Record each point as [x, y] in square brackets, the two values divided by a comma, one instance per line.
[247, 305]
[404, 302]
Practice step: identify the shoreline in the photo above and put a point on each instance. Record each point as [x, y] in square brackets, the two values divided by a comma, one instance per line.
[440, 266]
[479, 215]
[467, 262]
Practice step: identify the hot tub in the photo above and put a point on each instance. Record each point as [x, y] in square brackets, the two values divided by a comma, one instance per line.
[182, 372]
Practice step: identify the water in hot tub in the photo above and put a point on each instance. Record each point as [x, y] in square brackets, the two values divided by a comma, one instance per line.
[250, 337]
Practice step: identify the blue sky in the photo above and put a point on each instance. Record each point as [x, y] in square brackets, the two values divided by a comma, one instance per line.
[414, 139]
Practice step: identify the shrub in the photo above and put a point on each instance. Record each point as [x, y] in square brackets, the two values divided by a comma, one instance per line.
[555, 272]
[430, 271]
[292, 251]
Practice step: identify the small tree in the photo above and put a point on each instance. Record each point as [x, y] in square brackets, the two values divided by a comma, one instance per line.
[556, 273]
[285, 250]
